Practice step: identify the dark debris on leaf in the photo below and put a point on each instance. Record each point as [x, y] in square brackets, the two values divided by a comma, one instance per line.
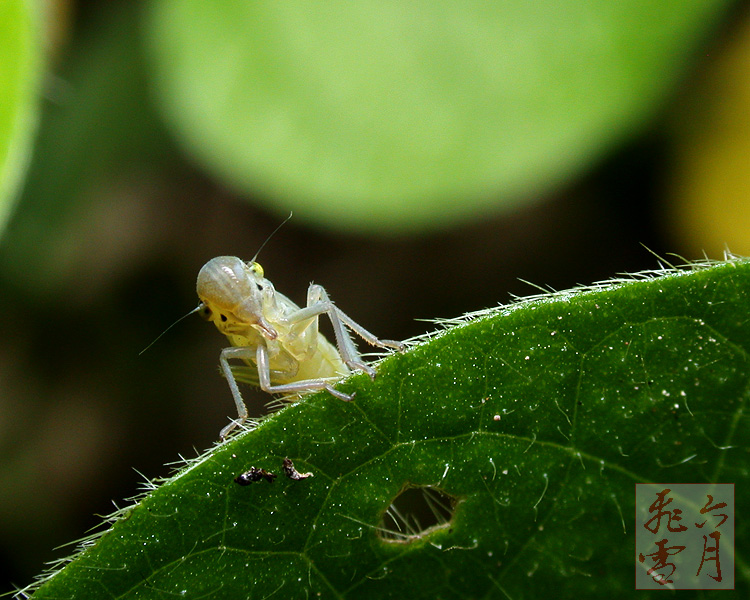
[254, 474]
[292, 473]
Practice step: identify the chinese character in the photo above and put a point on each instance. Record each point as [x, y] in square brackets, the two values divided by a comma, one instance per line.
[708, 508]
[668, 539]
[660, 561]
[673, 515]
[715, 535]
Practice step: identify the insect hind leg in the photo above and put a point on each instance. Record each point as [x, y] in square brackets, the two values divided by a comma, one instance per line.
[306, 385]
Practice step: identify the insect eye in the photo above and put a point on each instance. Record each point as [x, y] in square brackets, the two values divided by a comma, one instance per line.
[257, 269]
[206, 312]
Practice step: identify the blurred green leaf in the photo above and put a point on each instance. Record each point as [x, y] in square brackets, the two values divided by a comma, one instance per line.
[20, 68]
[395, 116]
[537, 418]
[98, 129]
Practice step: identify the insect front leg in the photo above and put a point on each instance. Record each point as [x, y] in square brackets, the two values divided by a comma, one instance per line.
[316, 294]
[242, 353]
[306, 385]
[319, 303]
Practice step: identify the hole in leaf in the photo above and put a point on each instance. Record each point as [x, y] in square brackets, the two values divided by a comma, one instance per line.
[416, 512]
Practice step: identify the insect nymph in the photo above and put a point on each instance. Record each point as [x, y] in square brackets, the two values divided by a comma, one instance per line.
[278, 341]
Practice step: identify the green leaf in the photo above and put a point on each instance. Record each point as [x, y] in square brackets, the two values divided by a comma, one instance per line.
[19, 80]
[399, 116]
[99, 131]
[536, 418]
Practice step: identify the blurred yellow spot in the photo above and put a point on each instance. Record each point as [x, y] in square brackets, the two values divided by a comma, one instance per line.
[709, 197]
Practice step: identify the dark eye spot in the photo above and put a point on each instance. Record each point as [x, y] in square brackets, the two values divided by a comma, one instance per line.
[206, 312]
[223, 318]
[260, 287]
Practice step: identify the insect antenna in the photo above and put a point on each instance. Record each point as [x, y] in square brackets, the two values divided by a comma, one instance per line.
[158, 337]
[273, 233]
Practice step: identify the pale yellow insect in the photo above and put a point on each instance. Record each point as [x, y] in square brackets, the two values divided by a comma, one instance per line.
[277, 340]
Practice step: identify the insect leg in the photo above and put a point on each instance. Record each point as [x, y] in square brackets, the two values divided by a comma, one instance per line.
[226, 354]
[366, 335]
[317, 294]
[306, 385]
[318, 303]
